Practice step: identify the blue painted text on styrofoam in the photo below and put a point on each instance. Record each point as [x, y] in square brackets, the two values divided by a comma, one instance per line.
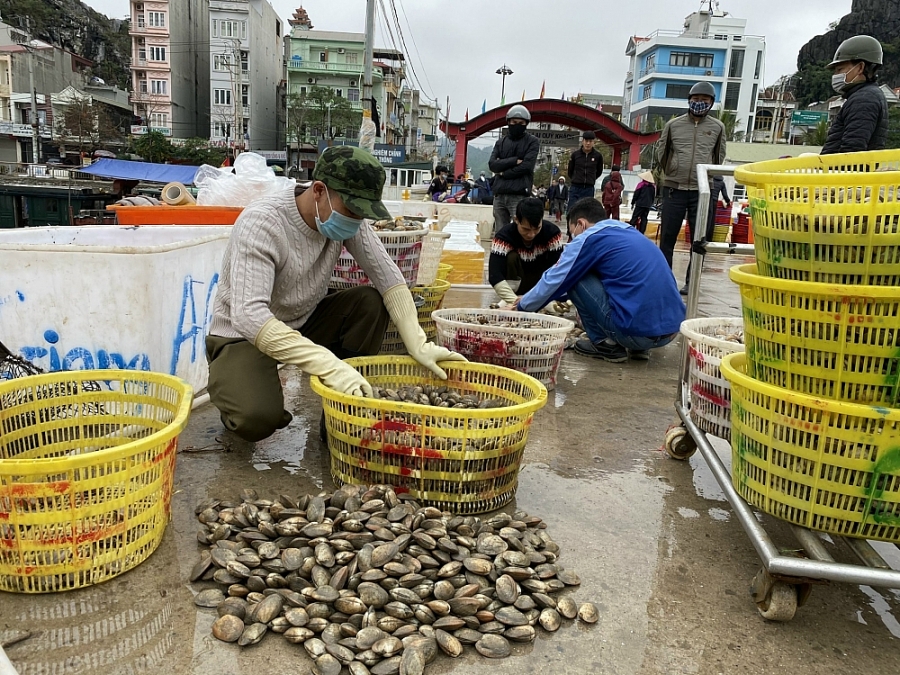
[51, 359]
[192, 325]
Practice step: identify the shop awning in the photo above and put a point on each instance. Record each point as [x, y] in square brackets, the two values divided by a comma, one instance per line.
[155, 173]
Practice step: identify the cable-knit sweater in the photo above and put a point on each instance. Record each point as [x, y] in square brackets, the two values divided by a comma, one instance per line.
[276, 265]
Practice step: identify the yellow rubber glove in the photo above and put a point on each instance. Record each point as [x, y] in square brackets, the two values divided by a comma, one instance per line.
[505, 291]
[286, 345]
[399, 303]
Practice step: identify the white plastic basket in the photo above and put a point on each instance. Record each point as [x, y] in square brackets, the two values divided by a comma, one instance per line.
[404, 248]
[533, 351]
[432, 248]
[710, 392]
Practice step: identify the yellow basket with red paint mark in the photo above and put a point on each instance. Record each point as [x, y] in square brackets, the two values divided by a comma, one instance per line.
[87, 462]
[457, 459]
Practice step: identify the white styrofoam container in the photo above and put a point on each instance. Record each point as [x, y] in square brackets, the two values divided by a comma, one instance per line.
[103, 296]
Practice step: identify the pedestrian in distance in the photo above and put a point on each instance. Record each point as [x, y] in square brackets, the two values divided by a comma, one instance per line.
[611, 193]
[717, 191]
[585, 167]
[862, 122]
[523, 250]
[483, 193]
[558, 194]
[512, 161]
[686, 141]
[439, 184]
[642, 200]
[273, 304]
[620, 283]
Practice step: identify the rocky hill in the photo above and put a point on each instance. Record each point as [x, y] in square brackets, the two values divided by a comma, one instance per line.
[878, 18]
[74, 26]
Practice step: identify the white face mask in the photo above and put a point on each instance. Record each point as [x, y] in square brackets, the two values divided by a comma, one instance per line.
[839, 82]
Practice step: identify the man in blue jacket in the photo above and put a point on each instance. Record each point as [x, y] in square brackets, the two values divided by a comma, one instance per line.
[620, 283]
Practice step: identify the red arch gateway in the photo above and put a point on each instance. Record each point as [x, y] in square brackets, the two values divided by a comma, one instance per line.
[608, 129]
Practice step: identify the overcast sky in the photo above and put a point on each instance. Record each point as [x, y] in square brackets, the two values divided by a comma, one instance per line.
[575, 45]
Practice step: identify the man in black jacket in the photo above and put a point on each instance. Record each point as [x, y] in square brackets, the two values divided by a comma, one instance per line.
[862, 122]
[585, 167]
[512, 162]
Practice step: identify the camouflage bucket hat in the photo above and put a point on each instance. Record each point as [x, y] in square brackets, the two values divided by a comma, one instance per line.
[357, 176]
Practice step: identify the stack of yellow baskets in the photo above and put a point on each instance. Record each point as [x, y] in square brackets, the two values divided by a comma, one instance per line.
[816, 396]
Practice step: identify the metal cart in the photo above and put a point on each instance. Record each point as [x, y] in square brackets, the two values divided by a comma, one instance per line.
[785, 581]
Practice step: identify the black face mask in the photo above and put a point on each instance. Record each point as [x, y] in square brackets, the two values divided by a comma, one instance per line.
[516, 131]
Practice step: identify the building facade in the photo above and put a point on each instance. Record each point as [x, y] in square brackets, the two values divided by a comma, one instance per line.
[170, 74]
[712, 47]
[246, 61]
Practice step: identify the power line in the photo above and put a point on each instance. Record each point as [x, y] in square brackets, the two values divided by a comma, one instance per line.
[406, 50]
[418, 55]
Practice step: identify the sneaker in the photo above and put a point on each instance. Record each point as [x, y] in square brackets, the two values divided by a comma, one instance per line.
[639, 354]
[683, 290]
[606, 350]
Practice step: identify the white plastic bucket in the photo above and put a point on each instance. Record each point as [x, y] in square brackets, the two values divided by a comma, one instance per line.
[111, 297]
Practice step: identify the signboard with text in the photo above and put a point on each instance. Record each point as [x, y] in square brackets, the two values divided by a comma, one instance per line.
[273, 155]
[554, 137]
[23, 130]
[808, 118]
[384, 153]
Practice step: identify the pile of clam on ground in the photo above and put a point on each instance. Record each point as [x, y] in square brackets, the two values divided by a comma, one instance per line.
[375, 583]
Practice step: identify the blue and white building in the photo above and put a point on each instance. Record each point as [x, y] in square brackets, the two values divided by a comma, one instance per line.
[712, 47]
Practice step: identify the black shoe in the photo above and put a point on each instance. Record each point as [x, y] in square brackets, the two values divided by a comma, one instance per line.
[683, 290]
[606, 350]
[639, 354]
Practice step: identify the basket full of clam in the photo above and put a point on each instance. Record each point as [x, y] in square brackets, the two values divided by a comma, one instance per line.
[456, 444]
[402, 238]
[525, 341]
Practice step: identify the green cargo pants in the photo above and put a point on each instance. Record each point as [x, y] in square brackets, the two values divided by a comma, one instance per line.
[243, 382]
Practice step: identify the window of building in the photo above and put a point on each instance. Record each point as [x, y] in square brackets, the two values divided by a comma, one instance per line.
[691, 59]
[229, 29]
[222, 62]
[763, 121]
[680, 91]
[142, 54]
[215, 28]
[157, 53]
[222, 96]
[159, 120]
[245, 95]
[245, 62]
[156, 19]
[142, 86]
[277, 27]
[753, 97]
[736, 67]
[646, 92]
[339, 93]
[303, 91]
[353, 95]
[159, 87]
[243, 30]
[758, 65]
[651, 61]
[141, 21]
[323, 57]
[732, 94]
[222, 129]
[352, 57]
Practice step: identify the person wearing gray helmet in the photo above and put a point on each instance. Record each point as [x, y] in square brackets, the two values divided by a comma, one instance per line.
[686, 141]
[862, 122]
[512, 161]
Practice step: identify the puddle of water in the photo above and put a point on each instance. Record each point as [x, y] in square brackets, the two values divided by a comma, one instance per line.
[287, 448]
[720, 514]
[881, 607]
[705, 484]
[559, 399]
[860, 619]
[687, 513]
[889, 552]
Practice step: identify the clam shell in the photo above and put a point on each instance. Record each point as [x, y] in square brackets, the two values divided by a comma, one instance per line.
[510, 616]
[493, 646]
[587, 612]
[228, 628]
[449, 644]
[520, 634]
[210, 597]
[507, 589]
[327, 665]
[298, 634]
[567, 608]
[252, 634]
[550, 619]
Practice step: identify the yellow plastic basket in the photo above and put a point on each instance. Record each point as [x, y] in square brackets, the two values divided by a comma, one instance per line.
[443, 271]
[86, 474]
[462, 460]
[434, 296]
[825, 465]
[833, 341]
[827, 218]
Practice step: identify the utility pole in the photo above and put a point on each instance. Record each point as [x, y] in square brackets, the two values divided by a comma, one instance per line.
[35, 126]
[368, 57]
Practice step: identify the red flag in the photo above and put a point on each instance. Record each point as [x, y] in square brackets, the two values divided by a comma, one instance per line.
[543, 85]
[467, 114]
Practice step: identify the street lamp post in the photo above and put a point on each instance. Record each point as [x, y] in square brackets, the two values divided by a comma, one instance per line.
[503, 71]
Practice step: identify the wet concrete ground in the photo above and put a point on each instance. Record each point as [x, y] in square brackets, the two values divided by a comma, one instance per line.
[656, 546]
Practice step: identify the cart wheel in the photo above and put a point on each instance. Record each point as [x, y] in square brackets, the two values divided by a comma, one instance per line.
[679, 444]
[780, 604]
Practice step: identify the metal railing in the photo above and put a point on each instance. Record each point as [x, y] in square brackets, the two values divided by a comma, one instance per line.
[701, 36]
[683, 70]
[318, 66]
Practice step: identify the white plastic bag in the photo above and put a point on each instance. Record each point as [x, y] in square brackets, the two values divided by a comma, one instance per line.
[249, 180]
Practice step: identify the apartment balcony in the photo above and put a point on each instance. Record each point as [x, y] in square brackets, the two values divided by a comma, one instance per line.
[329, 68]
[688, 71]
[5, 90]
[245, 111]
[141, 31]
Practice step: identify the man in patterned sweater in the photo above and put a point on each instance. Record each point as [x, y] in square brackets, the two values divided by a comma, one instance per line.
[272, 305]
[523, 250]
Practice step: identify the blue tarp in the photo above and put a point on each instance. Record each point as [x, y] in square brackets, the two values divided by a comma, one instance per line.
[127, 170]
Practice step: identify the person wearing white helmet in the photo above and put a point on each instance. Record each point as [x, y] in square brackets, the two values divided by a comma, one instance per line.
[862, 122]
[512, 161]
